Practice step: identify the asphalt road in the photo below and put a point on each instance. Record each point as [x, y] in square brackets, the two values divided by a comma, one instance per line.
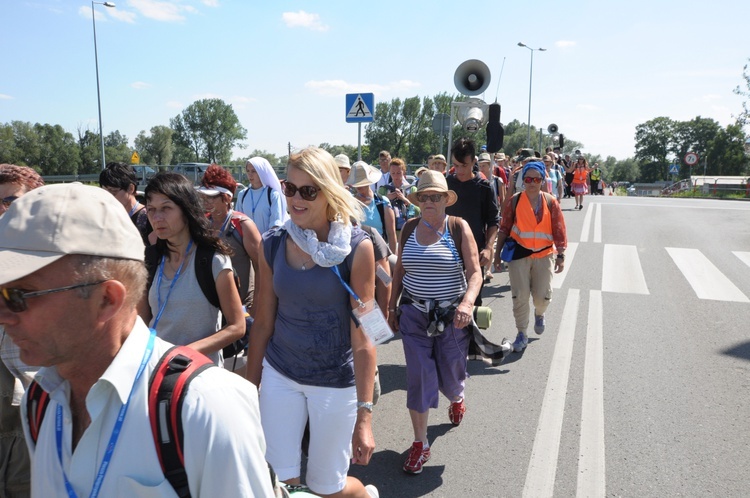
[639, 386]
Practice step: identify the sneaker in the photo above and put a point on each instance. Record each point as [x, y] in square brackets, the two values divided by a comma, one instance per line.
[372, 491]
[456, 412]
[521, 342]
[539, 324]
[418, 456]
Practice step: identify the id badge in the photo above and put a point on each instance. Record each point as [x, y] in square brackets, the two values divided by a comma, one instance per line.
[383, 276]
[373, 322]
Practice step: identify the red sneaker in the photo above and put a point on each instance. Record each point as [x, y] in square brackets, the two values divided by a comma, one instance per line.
[456, 412]
[418, 456]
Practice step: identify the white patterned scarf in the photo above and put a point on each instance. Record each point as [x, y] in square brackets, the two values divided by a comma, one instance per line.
[324, 254]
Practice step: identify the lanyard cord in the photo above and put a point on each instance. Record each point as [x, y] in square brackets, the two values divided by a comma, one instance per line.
[225, 224]
[135, 208]
[253, 202]
[161, 305]
[444, 237]
[335, 269]
[115, 430]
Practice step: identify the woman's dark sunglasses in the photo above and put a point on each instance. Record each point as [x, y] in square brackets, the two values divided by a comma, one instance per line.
[429, 197]
[308, 192]
[15, 299]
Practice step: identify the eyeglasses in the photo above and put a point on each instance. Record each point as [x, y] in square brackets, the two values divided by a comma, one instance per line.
[532, 179]
[7, 201]
[15, 299]
[307, 192]
[429, 197]
[547, 162]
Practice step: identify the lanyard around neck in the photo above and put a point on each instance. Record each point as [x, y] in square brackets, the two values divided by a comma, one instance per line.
[159, 278]
[444, 237]
[253, 202]
[115, 430]
[135, 208]
[225, 224]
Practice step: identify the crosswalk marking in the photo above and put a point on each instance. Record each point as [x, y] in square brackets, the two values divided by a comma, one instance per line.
[586, 224]
[597, 223]
[706, 280]
[591, 461]
[570, 253]
[540, 476]
[744, 256]
[621, 270]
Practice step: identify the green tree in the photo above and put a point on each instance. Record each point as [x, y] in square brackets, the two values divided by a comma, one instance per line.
[155, 148]
[58, 151]
[210, 129]
[726, 152]
[654, 142]
[9, 153]
[625, 170]
[89, 151]
[116, 148]
[744, 117]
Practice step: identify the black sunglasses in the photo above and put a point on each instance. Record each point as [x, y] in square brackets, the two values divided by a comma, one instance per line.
[429, 197]
[307, 192]
[15, 299]
[7, 201]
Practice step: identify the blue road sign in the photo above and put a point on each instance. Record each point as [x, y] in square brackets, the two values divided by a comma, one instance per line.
[674, 169]
[360, 107]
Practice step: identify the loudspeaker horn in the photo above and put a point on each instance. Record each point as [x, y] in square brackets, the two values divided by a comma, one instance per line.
[472, 77]
[552, 129]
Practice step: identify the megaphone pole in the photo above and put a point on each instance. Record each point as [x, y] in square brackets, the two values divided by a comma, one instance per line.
[448, 158]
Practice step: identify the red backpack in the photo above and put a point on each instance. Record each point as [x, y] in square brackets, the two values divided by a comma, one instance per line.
[166, 392]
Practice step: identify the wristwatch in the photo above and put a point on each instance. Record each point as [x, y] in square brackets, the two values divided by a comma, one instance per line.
[364, 404]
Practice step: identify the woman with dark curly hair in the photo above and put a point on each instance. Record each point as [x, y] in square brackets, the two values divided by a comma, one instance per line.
[235, 229]
[176, 306]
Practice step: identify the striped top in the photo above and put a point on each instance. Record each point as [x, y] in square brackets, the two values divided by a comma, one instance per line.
[434, 271]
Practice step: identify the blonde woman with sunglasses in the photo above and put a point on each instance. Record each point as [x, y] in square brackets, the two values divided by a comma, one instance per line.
[311, 361]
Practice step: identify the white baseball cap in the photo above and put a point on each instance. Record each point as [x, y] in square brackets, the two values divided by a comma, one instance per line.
[50, 222]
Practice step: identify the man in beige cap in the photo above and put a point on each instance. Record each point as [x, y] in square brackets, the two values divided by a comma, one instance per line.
[71, 274]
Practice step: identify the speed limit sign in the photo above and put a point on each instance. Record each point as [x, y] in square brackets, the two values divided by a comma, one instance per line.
[691, 158]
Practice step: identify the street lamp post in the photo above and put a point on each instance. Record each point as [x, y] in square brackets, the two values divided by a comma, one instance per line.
[531, 70]
[96, 61]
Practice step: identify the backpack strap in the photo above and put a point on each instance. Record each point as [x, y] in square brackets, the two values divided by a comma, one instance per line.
[407, 229]
[457, 233]
[241, 200]
[152, 263]
[268, 194]
[204, 274]
[235, 225]
[166, 392]
[37, 400]
[380, 206]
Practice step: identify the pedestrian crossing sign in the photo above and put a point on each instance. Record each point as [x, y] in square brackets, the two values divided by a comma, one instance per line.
[674, 169]
[360, 107]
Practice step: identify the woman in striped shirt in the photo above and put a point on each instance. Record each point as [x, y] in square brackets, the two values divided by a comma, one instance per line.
[440, 280]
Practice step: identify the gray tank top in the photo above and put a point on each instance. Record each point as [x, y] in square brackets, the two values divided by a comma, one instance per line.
[311, 342]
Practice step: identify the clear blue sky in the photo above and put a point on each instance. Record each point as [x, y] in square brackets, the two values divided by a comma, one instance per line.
[286, 66]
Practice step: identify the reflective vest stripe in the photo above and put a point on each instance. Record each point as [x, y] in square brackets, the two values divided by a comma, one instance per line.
[534, 235]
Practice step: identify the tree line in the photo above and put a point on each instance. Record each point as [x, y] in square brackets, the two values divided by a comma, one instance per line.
[208, 130]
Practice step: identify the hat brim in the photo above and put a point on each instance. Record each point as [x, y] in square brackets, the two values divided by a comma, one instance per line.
[15, 264]
[452, 197]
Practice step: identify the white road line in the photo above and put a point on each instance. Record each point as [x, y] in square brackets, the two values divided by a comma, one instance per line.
[621, 270]
[598, 223]
[705, 279]
[586, 225]
[540, 477]
[570, 253]
[591, 460]
[744, 256]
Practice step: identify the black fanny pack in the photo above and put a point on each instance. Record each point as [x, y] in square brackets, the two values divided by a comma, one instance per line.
[440, 313]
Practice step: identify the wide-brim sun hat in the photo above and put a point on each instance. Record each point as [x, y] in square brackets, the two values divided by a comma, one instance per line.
[363, 175]
[438, 158]
[433, 181]
[53, 221]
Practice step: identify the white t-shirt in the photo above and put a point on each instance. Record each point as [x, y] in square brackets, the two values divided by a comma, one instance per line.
[224, 446]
